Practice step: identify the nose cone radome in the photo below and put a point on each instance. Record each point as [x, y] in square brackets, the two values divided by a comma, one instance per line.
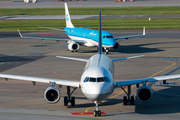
[96, 91]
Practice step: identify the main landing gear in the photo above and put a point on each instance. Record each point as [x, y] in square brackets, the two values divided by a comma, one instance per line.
[128, 98]
[97, 112]
[68, 98]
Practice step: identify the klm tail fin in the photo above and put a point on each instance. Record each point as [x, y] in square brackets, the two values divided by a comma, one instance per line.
[67, 16]
[100, 34]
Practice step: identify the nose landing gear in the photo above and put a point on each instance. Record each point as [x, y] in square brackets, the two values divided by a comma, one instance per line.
[97, 112]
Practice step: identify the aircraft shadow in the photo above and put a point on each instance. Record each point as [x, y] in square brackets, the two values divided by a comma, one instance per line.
[8, 62]
[107, 103]
[129, 49]
[163, 102]
[132, 48]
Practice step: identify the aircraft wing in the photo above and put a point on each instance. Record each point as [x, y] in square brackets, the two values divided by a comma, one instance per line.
[126, 37]
[152, 79]
[43, 80]
[53, 29]
[56, 39]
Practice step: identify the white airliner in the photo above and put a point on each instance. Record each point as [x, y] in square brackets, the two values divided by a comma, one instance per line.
[87, 37]
[97, 81]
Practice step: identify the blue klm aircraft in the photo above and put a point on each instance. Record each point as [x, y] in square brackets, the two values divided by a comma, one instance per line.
[86, 37]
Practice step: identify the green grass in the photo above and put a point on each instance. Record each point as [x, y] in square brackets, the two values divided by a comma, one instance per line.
[93, 11]
[107, 24]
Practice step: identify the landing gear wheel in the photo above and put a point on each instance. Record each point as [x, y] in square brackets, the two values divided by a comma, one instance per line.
[107, 52]
[125, 100]
[99, 113]
[72, 101]
[132, 100]
[95, 113]
[65, 101]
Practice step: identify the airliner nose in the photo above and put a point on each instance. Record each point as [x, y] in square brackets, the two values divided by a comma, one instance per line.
[97, 93]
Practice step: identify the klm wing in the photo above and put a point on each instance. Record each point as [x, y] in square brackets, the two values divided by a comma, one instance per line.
[152, 79]
[53, 29]
[40, 79]
[55, 39]
[126, 37]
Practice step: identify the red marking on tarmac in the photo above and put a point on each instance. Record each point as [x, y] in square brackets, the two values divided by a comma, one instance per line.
[85, 113]
[46, 34]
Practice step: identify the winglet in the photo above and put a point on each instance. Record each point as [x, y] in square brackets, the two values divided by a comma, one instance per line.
[20, 33]
[67, 17]
[144, 32]
[100, 34]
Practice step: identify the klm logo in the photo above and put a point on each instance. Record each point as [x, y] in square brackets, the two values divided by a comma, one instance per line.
[67, 17]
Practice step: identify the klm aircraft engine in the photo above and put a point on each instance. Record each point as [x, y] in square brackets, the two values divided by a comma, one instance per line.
[144, 94]
[52, 94]
[73, 46]
[116, 45]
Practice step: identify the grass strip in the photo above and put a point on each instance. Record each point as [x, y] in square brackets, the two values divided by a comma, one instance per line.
[107, 24]
[93, 11]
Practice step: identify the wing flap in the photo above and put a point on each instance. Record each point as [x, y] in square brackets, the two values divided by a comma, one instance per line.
[40, 79]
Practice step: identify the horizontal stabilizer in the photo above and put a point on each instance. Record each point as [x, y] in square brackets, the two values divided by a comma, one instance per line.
[127, 58]
[71, 58]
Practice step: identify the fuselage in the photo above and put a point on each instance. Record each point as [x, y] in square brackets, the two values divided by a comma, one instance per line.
[91, 36]
[97, 79]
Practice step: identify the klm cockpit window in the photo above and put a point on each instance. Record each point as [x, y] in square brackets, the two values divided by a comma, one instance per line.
[100, 79]
[108, 36]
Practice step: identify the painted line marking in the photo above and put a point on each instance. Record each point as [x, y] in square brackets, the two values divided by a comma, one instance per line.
[85, 113]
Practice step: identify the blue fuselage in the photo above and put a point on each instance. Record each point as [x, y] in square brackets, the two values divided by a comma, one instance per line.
[107, 38]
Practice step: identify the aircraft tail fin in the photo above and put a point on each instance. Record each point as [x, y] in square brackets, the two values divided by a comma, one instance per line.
[100, 34]
[67, 17]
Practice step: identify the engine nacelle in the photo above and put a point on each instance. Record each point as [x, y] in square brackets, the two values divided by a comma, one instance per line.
[52, 95]
[116, 45]
[144, 94]
[73, 46]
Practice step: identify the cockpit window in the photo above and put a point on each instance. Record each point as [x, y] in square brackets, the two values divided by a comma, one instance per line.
[106, 79]
[108, 36]
[100, 79]
[92, 80]
[86, 79]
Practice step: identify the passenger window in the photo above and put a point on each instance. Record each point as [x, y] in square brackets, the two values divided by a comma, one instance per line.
[100, 79]
[92, 80]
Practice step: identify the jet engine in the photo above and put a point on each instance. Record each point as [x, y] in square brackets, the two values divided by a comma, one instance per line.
[52, 95]
[144, 94]
[73, 46]
[116, 45]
